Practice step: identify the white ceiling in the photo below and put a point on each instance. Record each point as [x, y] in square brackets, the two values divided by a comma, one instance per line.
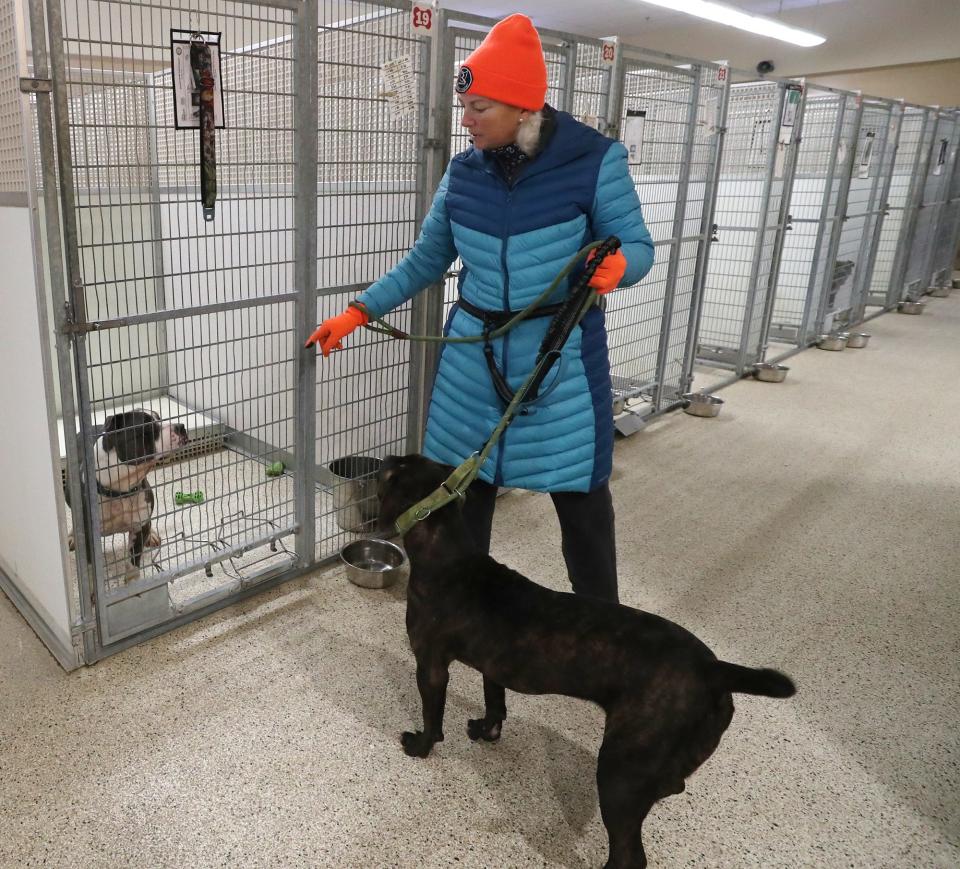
[860, 33]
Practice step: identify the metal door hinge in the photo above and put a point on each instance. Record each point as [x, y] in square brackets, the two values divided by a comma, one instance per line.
[35, 85]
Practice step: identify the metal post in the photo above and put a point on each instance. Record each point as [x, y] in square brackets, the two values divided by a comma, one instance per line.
[569, 76]
[612, 106]
[156, 216]
[305, 142]
[67, 308]
[426, 315]
[679, 218]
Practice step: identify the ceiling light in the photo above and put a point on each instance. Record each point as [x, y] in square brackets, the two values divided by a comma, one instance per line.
[733, 17]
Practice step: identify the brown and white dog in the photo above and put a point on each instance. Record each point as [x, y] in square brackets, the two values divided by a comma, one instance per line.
[127, 448]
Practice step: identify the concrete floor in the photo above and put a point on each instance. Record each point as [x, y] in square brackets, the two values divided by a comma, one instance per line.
[811, 527]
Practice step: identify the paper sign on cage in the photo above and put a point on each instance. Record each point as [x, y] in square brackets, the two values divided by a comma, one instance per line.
[400, 86]
[633, 127]
[863, 170]
[185, 94]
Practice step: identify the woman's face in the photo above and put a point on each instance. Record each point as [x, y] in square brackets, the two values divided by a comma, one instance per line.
[489, 123]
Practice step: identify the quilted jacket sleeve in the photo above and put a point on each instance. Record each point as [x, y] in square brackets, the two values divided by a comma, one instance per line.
[425, 264]
[616, 211]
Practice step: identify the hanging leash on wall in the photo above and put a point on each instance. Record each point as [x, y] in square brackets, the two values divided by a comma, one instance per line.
[201, 63]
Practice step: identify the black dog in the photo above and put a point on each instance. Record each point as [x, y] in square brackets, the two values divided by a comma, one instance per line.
[667, 697]
[127, 448]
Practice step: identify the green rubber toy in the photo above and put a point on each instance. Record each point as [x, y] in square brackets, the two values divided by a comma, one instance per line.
[275, 469]
[181, 498]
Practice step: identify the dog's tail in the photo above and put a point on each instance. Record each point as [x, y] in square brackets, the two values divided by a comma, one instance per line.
[748, 680]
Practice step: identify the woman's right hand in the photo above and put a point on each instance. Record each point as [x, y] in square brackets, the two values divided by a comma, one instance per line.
[330, 333]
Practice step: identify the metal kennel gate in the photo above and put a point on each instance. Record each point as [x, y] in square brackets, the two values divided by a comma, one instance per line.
[807, 269]
[863, 201]
[941, 151]
[896, 231]
[945, 247]
[675, 164]
[751, 214]
[320, 187]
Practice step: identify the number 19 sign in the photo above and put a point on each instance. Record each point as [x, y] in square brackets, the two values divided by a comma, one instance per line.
[423, 19]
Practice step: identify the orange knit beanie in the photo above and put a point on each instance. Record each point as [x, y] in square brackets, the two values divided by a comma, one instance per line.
[508, 66]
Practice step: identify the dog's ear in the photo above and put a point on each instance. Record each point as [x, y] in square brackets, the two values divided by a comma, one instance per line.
[109, 436]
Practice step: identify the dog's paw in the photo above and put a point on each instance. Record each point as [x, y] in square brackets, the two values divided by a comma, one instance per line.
[417, 744]
[153, 540]
[487, 729]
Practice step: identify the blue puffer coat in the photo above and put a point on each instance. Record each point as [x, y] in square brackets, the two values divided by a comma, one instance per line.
[513, 240]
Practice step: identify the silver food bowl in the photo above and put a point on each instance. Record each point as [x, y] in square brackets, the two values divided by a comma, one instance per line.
[701, 404]
[837, 341]
[770, 372]
[909, 307]
[858, 340]
[940, 292]
[373, 563]
[956, 283]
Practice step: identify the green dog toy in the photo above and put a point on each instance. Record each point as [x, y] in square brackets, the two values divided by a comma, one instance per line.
[275, 469]
[181, 498]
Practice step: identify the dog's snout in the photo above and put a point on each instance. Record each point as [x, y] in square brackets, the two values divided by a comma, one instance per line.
[180, 430]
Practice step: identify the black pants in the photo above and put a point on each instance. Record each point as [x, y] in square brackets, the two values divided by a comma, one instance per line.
[586, 532]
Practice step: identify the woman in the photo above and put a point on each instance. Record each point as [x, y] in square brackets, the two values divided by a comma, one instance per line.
[534, 188]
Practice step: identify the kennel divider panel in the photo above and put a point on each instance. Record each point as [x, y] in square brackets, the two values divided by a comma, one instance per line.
[916, 277]
[945, 245]
[751, 198]
[228, 289]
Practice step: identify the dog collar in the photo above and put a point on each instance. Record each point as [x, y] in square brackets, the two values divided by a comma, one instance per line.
[453, 488]
[104, 492]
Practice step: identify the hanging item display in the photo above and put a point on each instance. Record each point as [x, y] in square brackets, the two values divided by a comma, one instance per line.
[198, 102]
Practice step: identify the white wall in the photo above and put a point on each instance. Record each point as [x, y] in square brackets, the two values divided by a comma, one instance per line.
[30, 545]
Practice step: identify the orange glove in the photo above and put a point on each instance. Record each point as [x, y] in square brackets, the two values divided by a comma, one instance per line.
[609, 273]
[330, 333]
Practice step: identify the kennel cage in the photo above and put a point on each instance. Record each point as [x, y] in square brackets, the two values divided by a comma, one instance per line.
[750, 217]
[843, 305]
[945, 247]
[808, 273]
[320, 189]
[326, 160]
[896, 231]
[941, 152]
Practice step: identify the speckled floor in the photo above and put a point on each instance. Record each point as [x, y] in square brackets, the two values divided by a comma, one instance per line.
[812, 526]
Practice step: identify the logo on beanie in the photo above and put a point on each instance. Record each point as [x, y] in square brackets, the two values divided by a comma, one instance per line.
[464, 79]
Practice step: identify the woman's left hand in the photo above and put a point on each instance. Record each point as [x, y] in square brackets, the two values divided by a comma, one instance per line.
[609, 273]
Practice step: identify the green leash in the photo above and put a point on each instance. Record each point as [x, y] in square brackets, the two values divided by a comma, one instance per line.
[382, 327]
[456, 485]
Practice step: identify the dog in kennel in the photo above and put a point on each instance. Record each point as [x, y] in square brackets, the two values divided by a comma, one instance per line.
[128, 447]
[668, 698]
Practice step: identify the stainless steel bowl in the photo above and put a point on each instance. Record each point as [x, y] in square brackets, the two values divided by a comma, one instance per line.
[373, 563]
[770, 372]
[940, 292]
[836, 341]
[858, 340]
[701, 404]
[911, 307]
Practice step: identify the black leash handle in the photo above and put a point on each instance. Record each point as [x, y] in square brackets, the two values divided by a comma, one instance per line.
[570, 314]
